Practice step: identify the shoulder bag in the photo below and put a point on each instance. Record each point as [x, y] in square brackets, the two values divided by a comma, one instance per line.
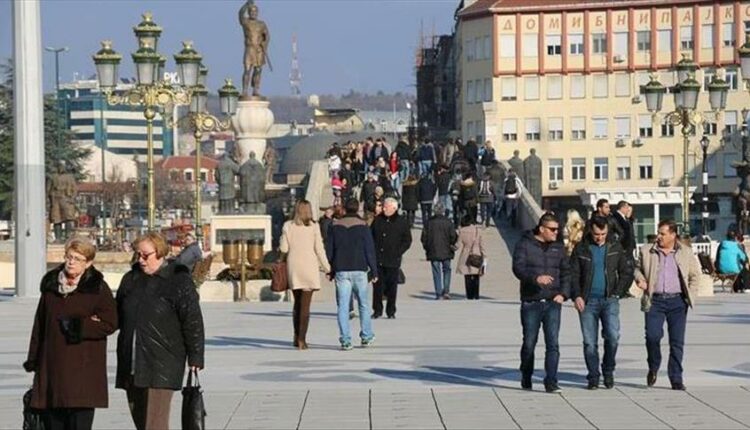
[475, 260]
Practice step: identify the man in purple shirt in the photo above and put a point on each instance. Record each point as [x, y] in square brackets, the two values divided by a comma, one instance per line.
[668, 274]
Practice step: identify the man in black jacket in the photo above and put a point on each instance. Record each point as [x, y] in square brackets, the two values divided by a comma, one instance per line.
[603, 210]
[392, 237]
[626, 232]
[439, 240]
[426, 191]
[540, 263]
[600, 274]
[351, 252]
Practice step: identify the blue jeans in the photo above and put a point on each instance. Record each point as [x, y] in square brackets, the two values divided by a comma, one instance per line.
[425, 166]
[674, 311]
[486, 210]
[534, 315]
[346, 283]
[396, 183]
[608, 312]
[447, 203]
[441, 277]
[404, 170]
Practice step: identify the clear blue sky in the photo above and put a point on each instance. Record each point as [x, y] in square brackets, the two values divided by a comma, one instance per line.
[365, 45]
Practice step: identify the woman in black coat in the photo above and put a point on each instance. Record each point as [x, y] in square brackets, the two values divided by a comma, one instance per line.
[410, 199]
[161, 326]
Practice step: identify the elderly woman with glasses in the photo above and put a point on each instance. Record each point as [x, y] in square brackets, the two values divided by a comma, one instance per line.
[68, 348]
[161, 327]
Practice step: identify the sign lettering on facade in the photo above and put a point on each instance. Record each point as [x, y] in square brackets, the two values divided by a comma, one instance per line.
[644, 18]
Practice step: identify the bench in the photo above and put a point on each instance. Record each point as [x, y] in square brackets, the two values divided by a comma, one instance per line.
[202, 269]
[708, 268]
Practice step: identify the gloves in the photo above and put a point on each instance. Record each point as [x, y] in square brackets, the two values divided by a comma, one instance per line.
[71, 329]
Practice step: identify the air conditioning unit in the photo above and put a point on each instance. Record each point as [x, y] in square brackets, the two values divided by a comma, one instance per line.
[637, 99]
[620, 143]
[637, 142]
[553, 185]
[618, 59]
[663, 182]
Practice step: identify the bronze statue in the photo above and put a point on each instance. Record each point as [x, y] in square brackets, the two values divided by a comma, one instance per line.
[256, 47]
[742, 192]
[252, 185]
[532, 168]
[269, 160]
[225, 173]
[61, 192]
[517, 165]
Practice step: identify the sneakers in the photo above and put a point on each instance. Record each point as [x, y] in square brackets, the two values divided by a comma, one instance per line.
[552, 388]
[368, 342]
[347, 346]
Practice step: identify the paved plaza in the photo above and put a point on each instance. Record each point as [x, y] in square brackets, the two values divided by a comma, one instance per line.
[440, 364]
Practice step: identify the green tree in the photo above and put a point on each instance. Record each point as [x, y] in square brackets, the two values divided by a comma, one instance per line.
[58, 141]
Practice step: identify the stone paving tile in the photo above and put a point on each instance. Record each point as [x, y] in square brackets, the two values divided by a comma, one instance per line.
[610, 409]
[404, 409]
[472, 409]
[734, 402]
[268, 410]
[535, 409]
[326, 409]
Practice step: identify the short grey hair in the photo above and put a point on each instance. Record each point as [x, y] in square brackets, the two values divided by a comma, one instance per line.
[438, 209]
[391, 201]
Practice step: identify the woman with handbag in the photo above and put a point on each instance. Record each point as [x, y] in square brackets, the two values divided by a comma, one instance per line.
[68, 348]
[303, 244]
[471, 258]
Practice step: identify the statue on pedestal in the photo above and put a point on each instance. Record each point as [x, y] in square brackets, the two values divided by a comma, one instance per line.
[61, 192]
[252, 186]
[517, 165]
[225, 173]
[742, 193]
[256, 47]
[269, 160]
[532, 167]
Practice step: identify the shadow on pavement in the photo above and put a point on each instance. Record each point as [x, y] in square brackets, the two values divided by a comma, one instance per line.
[288, 314]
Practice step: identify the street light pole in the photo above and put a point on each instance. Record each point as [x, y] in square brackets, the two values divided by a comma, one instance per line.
[704, 197]
[57, 52]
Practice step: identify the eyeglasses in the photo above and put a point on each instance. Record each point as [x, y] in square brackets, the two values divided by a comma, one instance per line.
[552, 229]
[74, 259]
[144, 256]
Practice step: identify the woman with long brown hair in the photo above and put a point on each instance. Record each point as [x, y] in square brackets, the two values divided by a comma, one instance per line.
[301, 239]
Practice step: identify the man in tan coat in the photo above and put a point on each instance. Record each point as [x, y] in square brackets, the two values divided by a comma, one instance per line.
[667, 272]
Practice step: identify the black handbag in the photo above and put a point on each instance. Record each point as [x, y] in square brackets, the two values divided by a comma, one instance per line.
[193, 408]
[32, 418]
[475, 260]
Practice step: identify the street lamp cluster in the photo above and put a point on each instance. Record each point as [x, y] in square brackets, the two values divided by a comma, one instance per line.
[157, 95]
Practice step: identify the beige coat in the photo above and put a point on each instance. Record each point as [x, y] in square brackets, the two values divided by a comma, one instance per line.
[466, 236]
[305, 255]
[648, 270]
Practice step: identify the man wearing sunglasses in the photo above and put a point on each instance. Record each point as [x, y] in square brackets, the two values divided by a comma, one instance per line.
[540, 263]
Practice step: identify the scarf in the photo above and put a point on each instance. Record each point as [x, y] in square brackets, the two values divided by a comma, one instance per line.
[65, 286]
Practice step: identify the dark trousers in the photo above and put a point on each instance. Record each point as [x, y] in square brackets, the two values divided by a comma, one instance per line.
[486, 211]
[301, 315]
[387, 285]
[471, 212]
[68, 418]
[426, 212]
[534, 315]
[673, 310]
[410, 215]
[608, 312]
[149, 407]
[472, 287]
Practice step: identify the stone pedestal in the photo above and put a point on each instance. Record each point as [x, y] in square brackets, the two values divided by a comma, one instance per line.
[240, 227]
[251, 125]
[229, 291]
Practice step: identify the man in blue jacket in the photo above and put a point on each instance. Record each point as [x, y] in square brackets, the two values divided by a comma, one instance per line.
[351, 251]
[540, 263]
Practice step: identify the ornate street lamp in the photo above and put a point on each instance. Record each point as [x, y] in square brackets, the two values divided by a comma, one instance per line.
[686, 94]
[151, 93]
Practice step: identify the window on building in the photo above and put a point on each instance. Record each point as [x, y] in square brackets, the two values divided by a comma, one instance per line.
[622, 84]
[708, 75]
[555, 127]
[601, 168]
[530, 43]
[508, 89]
[667, 128]
[620, 40]
[686, 37]
[470, 92]
[598, 43]
[204, 176]
[601, 84]
[731, 78]
[531, 87]
[666, 167]
[600, 128]
[470, 130]
[643, 41]
[645, 167]
[622, 127]
[664, 40]
[478, 49]
[577, 86]
[533, 129]
[188, 175]
[710, 127]
[479, 87]
[729, 170]
[510, 130]
[645, 126]
[469, 48]
[554, 87]
[507, 46]
[578, 169]
[555, 169]
[707, 36]
[730, 122]
[711, 165]
[488, 89]
[727, 34]
[623, 168]
[576, 44]
[554, 44]
[578, 127]
[487, 45]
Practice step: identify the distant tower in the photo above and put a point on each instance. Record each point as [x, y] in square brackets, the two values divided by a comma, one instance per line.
[295, 76]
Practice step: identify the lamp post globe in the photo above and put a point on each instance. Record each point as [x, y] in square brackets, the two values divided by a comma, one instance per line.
[146, 61]
[148, 31]
[654, 93]
[228, 96]
[188, 64]
[107, 63]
